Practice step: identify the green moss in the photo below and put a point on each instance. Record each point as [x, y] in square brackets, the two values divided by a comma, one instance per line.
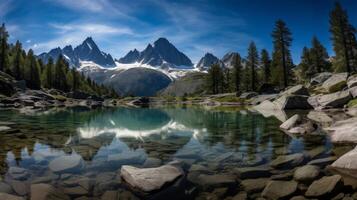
[60, 97]
[352, 103]
[337, 87]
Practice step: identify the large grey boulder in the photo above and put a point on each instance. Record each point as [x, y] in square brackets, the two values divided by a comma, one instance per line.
[353, 91]
[343, 131]
[324, 186]
[352, 81]
[320, 78]
[306, 173]
[268, 109]
[297, 90]
[289, 102]
[279, 189]
[336, 82]
[334, 100]
[254, 185]
[46, 192]
[149, 179]
[291, 122]
[347, 161]
[320, 117]
[68, 163]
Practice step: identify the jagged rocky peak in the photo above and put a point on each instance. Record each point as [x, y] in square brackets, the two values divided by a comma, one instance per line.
[207, 61]
[162, 52]
[131, 57]
[228, 59]
[87, 51]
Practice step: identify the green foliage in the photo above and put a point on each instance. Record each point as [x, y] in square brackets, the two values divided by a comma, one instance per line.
[282, 62]
[237, 73]
[251, 68]
[38, 75]
[337, 87]
[215, 79]
[343, 39]
[352, 103]
[265, 62]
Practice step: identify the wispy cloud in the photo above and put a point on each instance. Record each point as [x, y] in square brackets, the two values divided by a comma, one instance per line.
[5, 7]
[74, 33]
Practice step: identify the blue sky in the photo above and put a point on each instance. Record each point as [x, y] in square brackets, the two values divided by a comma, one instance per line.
[194, 27]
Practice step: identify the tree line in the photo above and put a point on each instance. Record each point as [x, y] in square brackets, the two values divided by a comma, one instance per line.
[259, 71]
[22, 65]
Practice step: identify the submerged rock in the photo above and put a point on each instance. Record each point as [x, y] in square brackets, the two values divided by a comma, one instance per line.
[150, 179]
[279, 189]
[324, 186]
[306, 173]
[46, 192]
[253, 172]
[64, 164]
[288, 161]
[254, 185]
[6, 196]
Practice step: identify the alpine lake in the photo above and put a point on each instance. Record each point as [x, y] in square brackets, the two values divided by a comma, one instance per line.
[217, 148]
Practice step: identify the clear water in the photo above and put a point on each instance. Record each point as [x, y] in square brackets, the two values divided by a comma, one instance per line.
[219, 139]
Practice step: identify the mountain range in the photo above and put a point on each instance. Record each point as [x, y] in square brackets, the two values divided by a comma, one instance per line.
[139, 73]
[87, 51]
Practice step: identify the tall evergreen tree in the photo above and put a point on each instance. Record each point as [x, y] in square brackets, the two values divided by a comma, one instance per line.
[252, 65]
[305, 64]
[265, 62]
[215, 79]
[59, 81]
[237, 73]
[319, 57]
[18, 62]
[4, 47]
[33, 75]
[343, 38]
[75, 77]
[48, 74]
[282, 61]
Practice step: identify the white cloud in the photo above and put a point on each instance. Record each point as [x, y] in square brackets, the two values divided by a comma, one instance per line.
[28, 41]
[5, 7]
[75, 33]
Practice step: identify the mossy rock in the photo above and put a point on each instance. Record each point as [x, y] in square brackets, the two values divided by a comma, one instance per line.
[352, 103]
[338, 87]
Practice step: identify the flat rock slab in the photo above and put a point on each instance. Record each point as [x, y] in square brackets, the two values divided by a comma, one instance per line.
[320, 117]
[279, 189]
[344, 131]
[347, 161]
[291, 122]
[6, 196]
[288, 161]
[254, 185]
[323, 186]
[150, 179]
[306, 173]
[64, 164]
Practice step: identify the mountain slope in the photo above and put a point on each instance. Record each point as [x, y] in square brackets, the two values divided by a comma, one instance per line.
[87, 51]
[161, 54]
[207, 60]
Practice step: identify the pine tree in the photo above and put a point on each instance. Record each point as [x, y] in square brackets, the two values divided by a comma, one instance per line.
[33, 80]
[48, 74]
[59, 81]
[215, 79]
[75, 77]
[319, 57]
[237, 73]
[18, 62]
[4, 47]
[265, 62]
[305, 64]
[282, 61]
[343, 38]
[252, 65]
